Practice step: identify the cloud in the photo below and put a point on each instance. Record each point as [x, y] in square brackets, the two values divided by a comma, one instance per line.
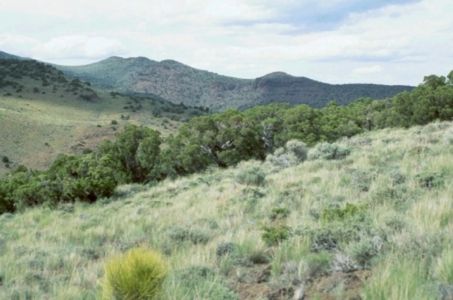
[78, 47]
[368, 70]
[336, 41]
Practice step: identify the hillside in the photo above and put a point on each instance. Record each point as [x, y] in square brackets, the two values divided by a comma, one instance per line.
[4, 55]
[375, 224]
[43, 113]
[180, 83]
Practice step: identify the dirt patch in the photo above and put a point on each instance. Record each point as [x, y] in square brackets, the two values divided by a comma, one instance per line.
[330, 287]
[254, 283]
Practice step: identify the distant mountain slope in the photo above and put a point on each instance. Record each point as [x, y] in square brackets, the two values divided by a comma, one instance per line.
[31, 79]
[44, 113]
[180, 83]
[4, 55]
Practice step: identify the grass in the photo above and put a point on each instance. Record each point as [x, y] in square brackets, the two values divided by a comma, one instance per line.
[379, 236]
[43, 113]
[35, 129]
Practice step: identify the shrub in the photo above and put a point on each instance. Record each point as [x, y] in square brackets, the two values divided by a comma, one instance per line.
[340, 213]
[137, 274]
[317, 264]
[251, 176]
[443, 268]
[275, 234]
[328, 151]
[195, 236]
[114, 122]
[359, 179]
[279, 213]
[325, 239]
[298, 148]
[397, 177]
[292, 154]
[199, 282]
[226, 248]
[365, 250]
[430, 180]
[332, 236]
[448, 137]
[5, 159]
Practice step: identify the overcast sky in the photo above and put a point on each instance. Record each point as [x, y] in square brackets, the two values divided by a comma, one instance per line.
[337, 41]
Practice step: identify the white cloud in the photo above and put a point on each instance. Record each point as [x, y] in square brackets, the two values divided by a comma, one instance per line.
[367, 70]
[73, 47]
[233, 37]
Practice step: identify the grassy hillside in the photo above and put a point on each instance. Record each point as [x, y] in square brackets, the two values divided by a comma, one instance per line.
[180, 83]
[377, 223]
[43, 113]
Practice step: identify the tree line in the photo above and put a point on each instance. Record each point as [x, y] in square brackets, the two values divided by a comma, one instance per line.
[141, 154]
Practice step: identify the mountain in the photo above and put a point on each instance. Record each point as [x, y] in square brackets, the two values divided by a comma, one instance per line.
[4, 55]
[44, 113]
[180, 83]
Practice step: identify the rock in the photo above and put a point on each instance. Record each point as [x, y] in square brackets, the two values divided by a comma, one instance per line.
[281, 293]
[343, 263]
[299, 293]
[264, 275]
[446, 292]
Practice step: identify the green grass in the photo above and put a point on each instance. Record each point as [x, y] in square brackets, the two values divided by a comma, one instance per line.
[362, 225]
[33, 131]
[43, 113]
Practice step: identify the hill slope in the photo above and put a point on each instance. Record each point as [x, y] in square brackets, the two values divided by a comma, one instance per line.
[4, 55]
[180, 83]
[43, 113]
[376, 224]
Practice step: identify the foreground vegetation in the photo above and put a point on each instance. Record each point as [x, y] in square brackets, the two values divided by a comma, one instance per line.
[368, 216]
[140, 154]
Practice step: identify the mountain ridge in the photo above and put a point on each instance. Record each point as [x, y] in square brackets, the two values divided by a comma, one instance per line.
[181, 83]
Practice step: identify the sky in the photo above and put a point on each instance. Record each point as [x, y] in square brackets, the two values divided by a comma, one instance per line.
[336, 41]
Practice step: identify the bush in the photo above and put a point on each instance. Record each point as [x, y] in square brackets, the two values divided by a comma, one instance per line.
[359, 179]
[328, 151]
[365, 250]
[5, 160]
[251, 176]
[199, 282]
[138, 274]
[195, 236]
[279, 213]
[443, 269]
[430, 180]
[340, 213]
[317, 264]
[292, 154]
[226, 248]
[332, 236]
[298, 148]
[275, 234]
